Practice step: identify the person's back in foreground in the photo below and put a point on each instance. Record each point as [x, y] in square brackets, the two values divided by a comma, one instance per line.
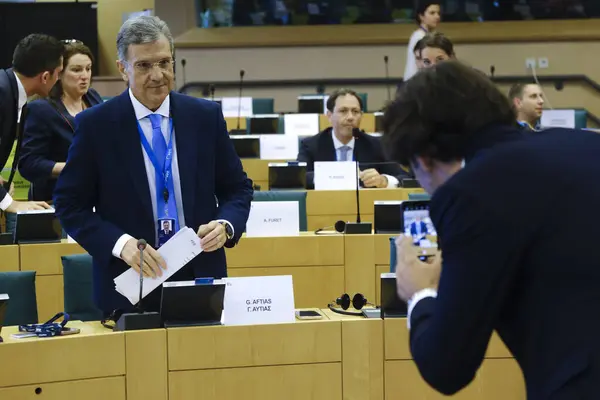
[517, 226]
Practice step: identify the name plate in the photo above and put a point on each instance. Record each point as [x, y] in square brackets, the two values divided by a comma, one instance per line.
[335, 175]
[258, 300]
[231, 106]
[278, 147]
[558, 119]
[273, 218]
[301, 124]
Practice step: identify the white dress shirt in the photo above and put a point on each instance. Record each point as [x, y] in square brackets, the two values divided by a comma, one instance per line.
[411, 62]
[391, 180]
[22, 100]
[141, 114]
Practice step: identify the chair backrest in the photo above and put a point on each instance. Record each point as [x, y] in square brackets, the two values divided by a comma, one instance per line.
[263, 106]
[22, 305]
[284, 195]
[419, 196]
[393, 254]
[78, 287]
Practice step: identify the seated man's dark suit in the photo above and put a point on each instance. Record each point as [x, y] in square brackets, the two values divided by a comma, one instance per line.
[47, 137]
[518, 228]
[105, 169]
[9, 97]
[367, 149]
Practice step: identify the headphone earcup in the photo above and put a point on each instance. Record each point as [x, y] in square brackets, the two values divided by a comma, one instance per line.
[343, 301]
[358, 301]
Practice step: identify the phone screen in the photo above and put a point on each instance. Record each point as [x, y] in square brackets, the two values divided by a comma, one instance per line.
[418, 225]
[308, 313]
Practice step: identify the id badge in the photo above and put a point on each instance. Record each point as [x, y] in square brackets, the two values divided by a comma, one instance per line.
[165, 230]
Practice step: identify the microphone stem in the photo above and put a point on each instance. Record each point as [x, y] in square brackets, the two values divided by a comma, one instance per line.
[141, 279]
[357, 196]
[240, 102]
[387, 81]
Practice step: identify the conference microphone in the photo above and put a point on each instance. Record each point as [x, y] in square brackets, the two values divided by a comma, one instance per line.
[386, 60]
[492, 71]
[239, 131]
[357, 227]
[183, 62]
[139, 320]
[211, 89]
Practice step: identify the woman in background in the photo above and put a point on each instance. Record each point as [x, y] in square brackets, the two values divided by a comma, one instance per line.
[432, 49]
[427, 16]
[50, 122]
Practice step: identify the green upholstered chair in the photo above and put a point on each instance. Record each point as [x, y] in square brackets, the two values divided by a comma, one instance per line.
[419, 196]
[22, 303]
[580, 118]
[263, 106]
[77, 278]
[284, 195]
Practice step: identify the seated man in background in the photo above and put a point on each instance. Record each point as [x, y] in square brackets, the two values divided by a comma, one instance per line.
[528, 101]
[343, 141]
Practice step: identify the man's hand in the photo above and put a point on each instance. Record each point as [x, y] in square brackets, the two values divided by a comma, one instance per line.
[17, 206]
[372, 179]
[213, 236]
[11, 189]
[153, 262]
[412, 274]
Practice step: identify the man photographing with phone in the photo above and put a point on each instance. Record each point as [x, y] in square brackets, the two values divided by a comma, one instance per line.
[456, 130]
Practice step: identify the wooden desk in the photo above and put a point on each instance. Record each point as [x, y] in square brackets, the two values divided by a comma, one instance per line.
[90, 365]
[315, 262]
[301, 360]
[9, 258]
[258, 171]
[45, 259]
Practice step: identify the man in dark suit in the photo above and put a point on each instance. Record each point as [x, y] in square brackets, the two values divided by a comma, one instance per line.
[497, 273]
[344, 142]
[37, 62]
[145, 157]
[418, 229]
[528, 102]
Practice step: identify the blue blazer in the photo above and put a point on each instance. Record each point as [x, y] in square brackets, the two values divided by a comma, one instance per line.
[105, 169]
[518, 228]
[48, 134]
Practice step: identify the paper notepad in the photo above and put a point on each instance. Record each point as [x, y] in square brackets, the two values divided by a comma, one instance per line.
[177, 252]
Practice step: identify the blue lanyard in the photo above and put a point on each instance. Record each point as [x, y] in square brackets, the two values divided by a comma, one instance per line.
[166, 172]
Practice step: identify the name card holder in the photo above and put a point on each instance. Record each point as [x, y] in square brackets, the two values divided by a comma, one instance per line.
[558, 119]
[301, 124]
[278, 147]
[234, 106]
[273, 218]
[335, 175]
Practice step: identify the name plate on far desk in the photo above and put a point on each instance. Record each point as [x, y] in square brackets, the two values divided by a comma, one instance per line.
[273, 218]
[258, 300]
[335, 175]
[278, 147]
[234, 106]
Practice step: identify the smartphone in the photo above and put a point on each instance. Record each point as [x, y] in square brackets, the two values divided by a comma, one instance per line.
[308, 314]
[69, 331]
[417, 224]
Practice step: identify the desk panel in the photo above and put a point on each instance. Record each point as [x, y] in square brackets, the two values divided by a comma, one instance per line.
[290, 382]
[9, 258]
[49, 293]
[254, 345]
[45, 257]
[94, 353]
[89, 389]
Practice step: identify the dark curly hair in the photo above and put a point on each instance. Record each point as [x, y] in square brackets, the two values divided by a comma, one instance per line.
[437, 112]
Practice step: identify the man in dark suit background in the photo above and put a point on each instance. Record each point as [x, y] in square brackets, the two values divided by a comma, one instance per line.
[37, 62]
[145, 157]
[344, 109]
[457, 131]
[418, 229]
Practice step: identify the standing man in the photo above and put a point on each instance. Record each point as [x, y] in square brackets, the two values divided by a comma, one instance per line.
[37, 63]
[457, 131]
[528, 102]
[147, 157]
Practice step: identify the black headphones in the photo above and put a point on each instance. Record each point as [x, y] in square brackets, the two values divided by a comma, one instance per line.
[340, 227]
[358, 302]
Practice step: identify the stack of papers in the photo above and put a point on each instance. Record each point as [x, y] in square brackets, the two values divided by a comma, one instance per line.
[177, 252]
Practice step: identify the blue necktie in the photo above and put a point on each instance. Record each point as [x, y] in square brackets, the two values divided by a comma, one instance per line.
[344, 153]
[159, 146]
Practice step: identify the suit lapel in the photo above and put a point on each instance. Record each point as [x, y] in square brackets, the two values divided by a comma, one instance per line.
[130, 150]
[361, 149]
[326, 147]
[187, 143]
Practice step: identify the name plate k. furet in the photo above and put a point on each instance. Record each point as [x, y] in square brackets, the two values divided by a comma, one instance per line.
[258, 300]
[335, 175]
[273, 218]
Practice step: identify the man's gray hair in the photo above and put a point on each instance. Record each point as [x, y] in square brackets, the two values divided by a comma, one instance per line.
[141, 30]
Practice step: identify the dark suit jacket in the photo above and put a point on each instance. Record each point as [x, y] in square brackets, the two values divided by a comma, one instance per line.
[105, 169]
[367, 149]
[413, 228]
[9, 97]
[48, 134]
[517, 258]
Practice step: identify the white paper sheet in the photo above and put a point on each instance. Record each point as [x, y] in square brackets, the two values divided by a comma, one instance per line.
[177, 252]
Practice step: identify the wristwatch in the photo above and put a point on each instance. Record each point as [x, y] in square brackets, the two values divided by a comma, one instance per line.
[228, 230]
